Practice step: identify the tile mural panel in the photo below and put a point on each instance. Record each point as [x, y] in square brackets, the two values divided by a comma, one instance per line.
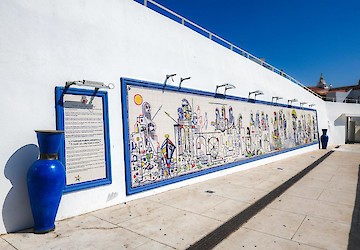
[172, 133]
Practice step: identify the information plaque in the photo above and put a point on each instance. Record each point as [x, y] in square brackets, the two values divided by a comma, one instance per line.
[83, 116]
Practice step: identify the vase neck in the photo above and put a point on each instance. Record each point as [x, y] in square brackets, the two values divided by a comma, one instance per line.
[49, 157]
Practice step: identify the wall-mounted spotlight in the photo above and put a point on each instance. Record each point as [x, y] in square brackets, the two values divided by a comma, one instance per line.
[170, 76]
[256, 93]
[183, 79]
[302, 104]
[226, 86]
[312, 105]
[93, 84]
[167, 78]
[276, 98]
[291, 101]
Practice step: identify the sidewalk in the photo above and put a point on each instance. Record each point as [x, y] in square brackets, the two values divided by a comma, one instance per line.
[315, 213]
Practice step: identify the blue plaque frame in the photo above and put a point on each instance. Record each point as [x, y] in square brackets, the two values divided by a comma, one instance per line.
[59, 93]
[126, 82]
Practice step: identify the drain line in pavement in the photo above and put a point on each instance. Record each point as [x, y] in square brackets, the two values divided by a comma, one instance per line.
[223, 231]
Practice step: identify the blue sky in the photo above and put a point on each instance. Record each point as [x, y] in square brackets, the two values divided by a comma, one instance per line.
[303, 38]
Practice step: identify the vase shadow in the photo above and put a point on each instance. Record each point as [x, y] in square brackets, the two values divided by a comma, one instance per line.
[16, 212]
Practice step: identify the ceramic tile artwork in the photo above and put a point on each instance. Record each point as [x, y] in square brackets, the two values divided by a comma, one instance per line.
[173, 133]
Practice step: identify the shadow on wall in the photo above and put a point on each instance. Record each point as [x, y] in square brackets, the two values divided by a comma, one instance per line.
[16, 209]
[340, 121]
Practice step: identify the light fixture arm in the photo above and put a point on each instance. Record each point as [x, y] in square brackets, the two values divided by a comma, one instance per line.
[226, 86]
[256, 93]
[94, 84]
[183, 79]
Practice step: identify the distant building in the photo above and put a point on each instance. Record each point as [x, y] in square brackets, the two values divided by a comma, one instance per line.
[350, 93]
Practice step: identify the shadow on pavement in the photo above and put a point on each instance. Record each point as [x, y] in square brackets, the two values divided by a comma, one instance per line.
[354, 236]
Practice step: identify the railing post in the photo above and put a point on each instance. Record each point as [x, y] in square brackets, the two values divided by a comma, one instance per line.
[240, 51]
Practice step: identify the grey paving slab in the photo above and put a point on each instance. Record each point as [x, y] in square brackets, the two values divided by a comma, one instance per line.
[226, 210]
[337, 212]
[346, 172]
[179, 217]
[329, 166]
[341, 186]
[312, 183]
[171, 226]
[345, 177]
[120, 213]
[4, 245]
[239, 193]
[319, 176]
[275, 222]
[243, 181]
[190, 200]
[305, 192]
[340, 197]
[267, 185]
[323, 233]
[250, 239]
[82, 232]
[206, 185]
[280, 178]
[154, 245]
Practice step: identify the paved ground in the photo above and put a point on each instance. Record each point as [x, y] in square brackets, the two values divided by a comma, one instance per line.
[318, 212]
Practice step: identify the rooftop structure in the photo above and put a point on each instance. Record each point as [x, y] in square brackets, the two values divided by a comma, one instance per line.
[349, 93]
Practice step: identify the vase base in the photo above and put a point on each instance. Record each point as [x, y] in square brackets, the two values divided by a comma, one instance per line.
[44, 231]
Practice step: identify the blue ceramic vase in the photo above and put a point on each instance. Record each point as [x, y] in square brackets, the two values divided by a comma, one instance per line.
[324, 138]
[46, 181]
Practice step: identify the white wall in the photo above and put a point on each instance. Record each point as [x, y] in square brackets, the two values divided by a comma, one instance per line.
[337, 120]
[43, 44]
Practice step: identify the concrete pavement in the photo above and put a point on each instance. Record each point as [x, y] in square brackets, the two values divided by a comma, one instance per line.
[317, 212]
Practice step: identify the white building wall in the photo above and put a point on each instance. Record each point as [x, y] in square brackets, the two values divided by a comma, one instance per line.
[43, 44]
[337, 120]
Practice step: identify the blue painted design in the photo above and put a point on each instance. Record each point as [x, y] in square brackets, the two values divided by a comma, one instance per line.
[46, 180]
[59, 93]
[198, 148]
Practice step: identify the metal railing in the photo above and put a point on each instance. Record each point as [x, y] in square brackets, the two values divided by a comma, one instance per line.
[185, 22]
[344, 100]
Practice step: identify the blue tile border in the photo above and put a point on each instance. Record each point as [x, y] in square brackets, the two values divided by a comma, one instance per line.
[125, 82]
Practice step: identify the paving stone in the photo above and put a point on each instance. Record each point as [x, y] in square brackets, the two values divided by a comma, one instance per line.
[226, 210]
[323, 233]
[339, 197]
[275, 222]
[5, 245]
[250, 239]
[126, 211]
[180, 217]
[171, 226]
[237, 192]
[193, 200]
[304, 192]
[337, 212]
[82, 232]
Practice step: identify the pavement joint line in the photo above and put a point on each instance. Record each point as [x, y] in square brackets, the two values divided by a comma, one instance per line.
[9, 243]
[230, 226]
[147, 237]
[305, 216]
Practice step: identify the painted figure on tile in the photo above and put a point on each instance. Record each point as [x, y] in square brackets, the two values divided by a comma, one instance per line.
[295, 126]
[191, 145]
[168, 149]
